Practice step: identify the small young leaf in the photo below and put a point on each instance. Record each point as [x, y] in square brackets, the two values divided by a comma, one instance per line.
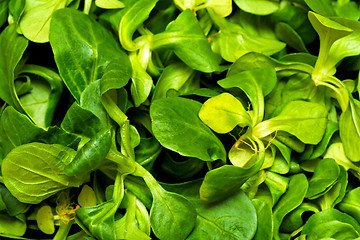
[223, 113]
[45, 219]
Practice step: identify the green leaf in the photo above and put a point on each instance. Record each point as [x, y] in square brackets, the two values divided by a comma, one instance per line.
[133, 15]
[128, 227]
[4, 11]
[325, 174]
[336, 151]
[256, 84]
[109, 4]
[331, 223]
[12, 48]
[45, 219]
[91, 155]
[172, 216]
[12, 226]
[254, 60]
[16, 129]
[147, 151]
[225, 181]
[35, 171]
[141, 82]
[350, 204]
[16, 9]
[233, 41]
[323, 7]
[12, 205]
[264, 217]
[185, 37]
[223, 113]
[175, 120]
[293, 197]
[35, 20]
[91, 100]
[305, 120]
[337, 192]
[294, 220]
[233, 218]
[176, 76]
[80, 35]
[349, 128]
[277, 185]
[87, 197]
[116, 75]
[287, 34]
[259, 7]
[80, 121]
[41, 102]
[99, 219]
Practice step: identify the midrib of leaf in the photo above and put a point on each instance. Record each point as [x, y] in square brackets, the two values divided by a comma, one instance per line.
[38, 194]
[213, 222]
[49, 176]
[56, 6]
[73, 82]
[94, 50]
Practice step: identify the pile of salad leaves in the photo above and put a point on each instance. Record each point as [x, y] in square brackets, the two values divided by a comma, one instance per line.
[179, 119]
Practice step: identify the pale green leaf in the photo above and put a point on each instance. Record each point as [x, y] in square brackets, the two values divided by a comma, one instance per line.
[223, 113]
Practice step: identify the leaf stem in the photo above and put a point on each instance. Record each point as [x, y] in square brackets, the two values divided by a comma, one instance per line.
[1, 179]
[63, 230]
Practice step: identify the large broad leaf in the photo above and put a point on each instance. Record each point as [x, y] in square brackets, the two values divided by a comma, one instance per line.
[256, 84]
[176, 125]
[75, 34]
[305, 120]
[185, 37]
[230, 219]
[35, 21]
[12, 48]
[35, 171]
[233, 218]
[223, 113]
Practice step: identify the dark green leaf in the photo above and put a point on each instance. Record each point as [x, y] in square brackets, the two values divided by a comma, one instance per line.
[81, 36]
[175, 120]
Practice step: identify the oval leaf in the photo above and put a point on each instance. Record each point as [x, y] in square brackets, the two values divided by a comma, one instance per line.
[176, 125]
